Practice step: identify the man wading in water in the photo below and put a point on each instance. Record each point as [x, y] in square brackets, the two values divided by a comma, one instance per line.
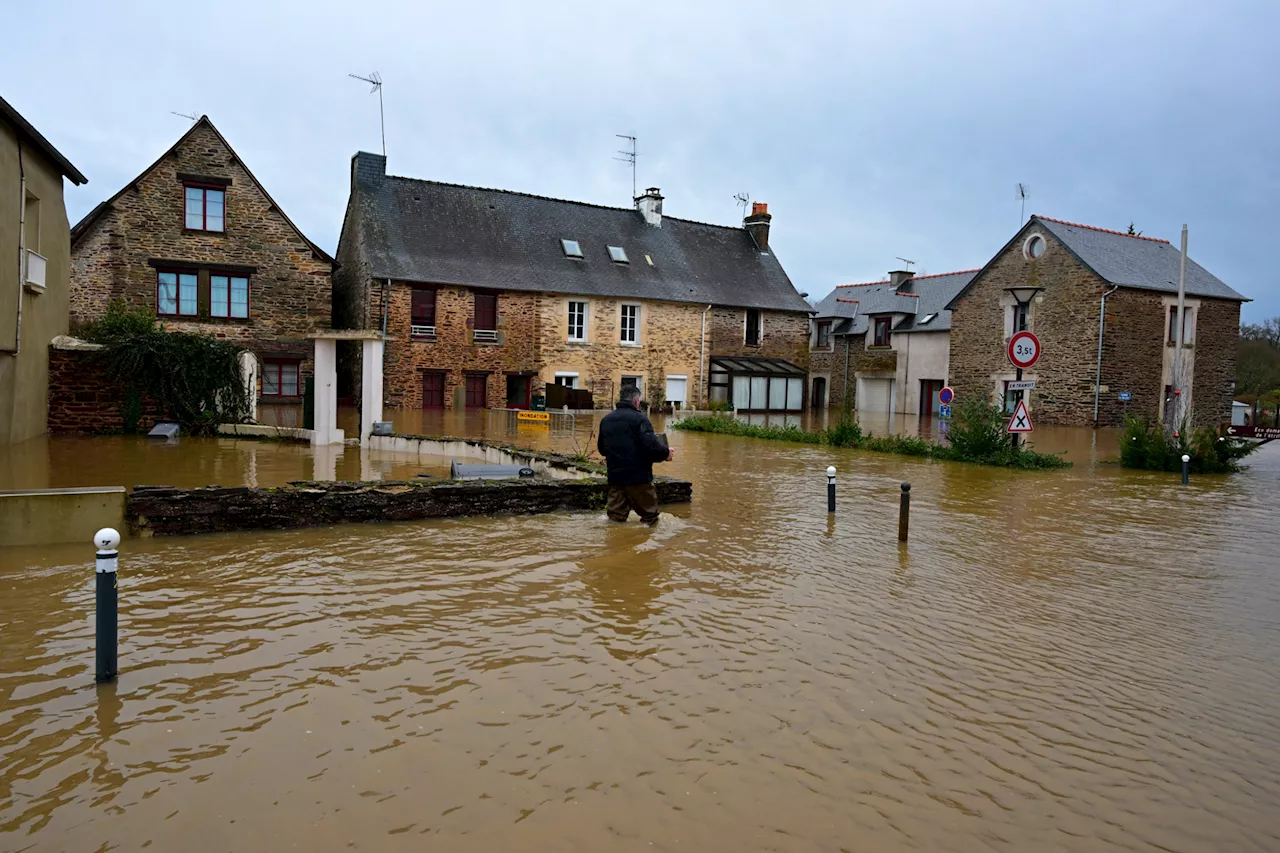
[630, 447]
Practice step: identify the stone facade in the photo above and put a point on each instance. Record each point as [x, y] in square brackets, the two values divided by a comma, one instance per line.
[1064, 316]
[784, 335]
[118, 250]
[850, 350]
[83, 400]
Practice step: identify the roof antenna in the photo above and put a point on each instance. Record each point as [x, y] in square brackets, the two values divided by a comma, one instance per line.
[375, 80]
[742, 199]
[907, 262]
[629, 157]
[1023, 192]
[191, 118]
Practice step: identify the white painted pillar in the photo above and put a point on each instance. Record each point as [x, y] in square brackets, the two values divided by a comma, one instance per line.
[326, 414]
[324, 462]
[370, 388]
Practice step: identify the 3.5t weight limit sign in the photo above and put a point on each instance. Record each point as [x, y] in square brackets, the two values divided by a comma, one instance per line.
[1024, 350]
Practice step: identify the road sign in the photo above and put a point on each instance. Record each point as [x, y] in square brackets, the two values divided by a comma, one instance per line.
[1125, 396]
[1024, 350]
[1020, 385]
[1021, 420]
[944, 411]
[540, 417]
[946, 395]
[1269, 433]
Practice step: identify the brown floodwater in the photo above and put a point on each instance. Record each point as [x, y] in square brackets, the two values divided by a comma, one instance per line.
[1064, 661]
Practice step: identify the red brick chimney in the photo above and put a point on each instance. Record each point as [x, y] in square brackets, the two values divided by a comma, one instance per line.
[757, 225]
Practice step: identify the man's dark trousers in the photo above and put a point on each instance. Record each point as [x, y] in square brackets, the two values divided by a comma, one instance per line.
[642, 497]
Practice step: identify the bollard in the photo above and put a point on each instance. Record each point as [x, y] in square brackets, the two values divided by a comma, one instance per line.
[904, 512]
[1186, 469]
[108, 561]
[831, 489]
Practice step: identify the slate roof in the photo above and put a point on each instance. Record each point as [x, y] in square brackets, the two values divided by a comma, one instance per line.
[917, 297]
[1136, 261]
[28, 134]
[438, 233]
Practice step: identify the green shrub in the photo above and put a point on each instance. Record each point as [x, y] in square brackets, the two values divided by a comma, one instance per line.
[977, 432]
[1145, 446]
[195, 379]
[846, 433]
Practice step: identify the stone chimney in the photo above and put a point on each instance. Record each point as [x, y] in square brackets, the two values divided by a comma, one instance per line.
[650, 206]
[757, 225]
[900, 277]
[368, 169]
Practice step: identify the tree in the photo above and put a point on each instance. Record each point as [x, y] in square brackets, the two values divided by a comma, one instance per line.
[1133, 232]
[1268, 330]
[1257, 370]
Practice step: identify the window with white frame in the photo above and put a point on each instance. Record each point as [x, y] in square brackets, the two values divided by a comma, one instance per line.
[629, 334]
[577, 321]
[568, 380]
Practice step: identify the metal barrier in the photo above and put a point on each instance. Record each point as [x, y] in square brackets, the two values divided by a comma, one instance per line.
[512, 419]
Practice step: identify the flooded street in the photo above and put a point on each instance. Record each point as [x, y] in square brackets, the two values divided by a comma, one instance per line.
[1063, 661]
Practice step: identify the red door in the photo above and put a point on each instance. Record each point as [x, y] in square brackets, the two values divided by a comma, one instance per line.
[477, 392]
[433, 390]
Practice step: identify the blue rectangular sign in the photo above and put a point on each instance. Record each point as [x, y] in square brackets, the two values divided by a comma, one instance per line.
[944, 411]
[1125, 396]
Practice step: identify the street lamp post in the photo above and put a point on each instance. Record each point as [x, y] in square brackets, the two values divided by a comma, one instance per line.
[1022, 296]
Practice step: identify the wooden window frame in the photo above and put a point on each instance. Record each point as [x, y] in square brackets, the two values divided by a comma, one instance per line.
[413, 319]
[823, 336]
[177, 296]
[248, 290]
[279, 364]
[885, 323]
[746, 327]
[205, 189]
[484, 294]
[1171, 337]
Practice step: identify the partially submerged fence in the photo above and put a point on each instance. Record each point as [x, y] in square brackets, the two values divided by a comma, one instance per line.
[512, 419]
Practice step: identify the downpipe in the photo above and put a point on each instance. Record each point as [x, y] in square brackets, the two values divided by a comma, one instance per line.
[1097, 378]
[702, 360]
[22, 252]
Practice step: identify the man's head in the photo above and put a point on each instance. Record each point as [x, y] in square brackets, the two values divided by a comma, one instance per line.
[630, 396]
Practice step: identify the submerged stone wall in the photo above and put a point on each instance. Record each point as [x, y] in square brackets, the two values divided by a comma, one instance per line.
[167, 511]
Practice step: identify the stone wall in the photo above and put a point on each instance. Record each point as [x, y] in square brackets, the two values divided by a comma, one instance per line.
[290, 289]
[670, 343]
[1064, 316]
[860, 359]
[83, 400]
[1214, 383]
[453, 351]
[785, 335]
[166, 511]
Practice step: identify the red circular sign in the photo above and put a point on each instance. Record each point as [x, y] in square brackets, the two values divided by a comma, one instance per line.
[946, 395]
[1024, 350]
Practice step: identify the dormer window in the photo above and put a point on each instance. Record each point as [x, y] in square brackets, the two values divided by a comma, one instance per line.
[205, 208]
[618, 255]
[927, 318]
[881, 337]
[571, 249]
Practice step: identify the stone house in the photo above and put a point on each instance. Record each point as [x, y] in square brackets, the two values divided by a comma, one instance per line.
[35, 247]
[486, 297]
[882, 347]
[197, 239]
[1131, 348]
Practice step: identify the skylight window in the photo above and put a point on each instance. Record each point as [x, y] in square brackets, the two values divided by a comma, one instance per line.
[571, 248]
[927, 318]
[618, 254]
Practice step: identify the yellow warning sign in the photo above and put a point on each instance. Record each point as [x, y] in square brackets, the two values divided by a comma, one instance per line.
[540, 417]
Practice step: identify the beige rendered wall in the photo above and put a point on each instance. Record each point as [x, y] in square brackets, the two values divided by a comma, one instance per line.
[24, 377]
[55, 516]
[921, 355]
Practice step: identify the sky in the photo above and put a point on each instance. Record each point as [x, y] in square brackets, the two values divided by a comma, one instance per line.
[873, 130]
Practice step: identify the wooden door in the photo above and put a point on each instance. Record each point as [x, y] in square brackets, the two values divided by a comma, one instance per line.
[433, 390]
[477, 392]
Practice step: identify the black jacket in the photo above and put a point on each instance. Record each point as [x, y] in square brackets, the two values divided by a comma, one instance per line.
[629, 446]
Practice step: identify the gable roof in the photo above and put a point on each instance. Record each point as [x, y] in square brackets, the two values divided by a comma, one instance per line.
[917, 297]
[81, 227]
[438, 233]
[1125, 260]
[31, 136]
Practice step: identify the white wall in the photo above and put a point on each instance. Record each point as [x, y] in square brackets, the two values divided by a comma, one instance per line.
[921, 355]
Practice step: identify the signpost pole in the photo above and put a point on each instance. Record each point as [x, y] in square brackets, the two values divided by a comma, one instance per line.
[1019, 393]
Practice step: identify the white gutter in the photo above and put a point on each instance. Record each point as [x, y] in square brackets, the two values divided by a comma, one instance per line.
[702, 361]
[1097, 378]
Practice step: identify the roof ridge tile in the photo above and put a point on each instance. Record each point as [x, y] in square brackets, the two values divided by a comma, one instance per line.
[913, 278]
[1103, 230]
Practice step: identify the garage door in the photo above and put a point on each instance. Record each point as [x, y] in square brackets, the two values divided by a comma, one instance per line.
[874, 395]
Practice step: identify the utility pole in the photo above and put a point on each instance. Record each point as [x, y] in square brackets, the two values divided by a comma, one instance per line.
[1179, 395]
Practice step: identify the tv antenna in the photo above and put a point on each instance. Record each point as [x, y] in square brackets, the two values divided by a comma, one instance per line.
[1023, 192]
[374, 79]
[907, 263]
[191, 118]
[742, 200]
[629, 157]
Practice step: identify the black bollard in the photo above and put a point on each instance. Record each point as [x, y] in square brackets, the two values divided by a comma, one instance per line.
[108, 562]
[1186, 469]
[831, 489]
[904, 512]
